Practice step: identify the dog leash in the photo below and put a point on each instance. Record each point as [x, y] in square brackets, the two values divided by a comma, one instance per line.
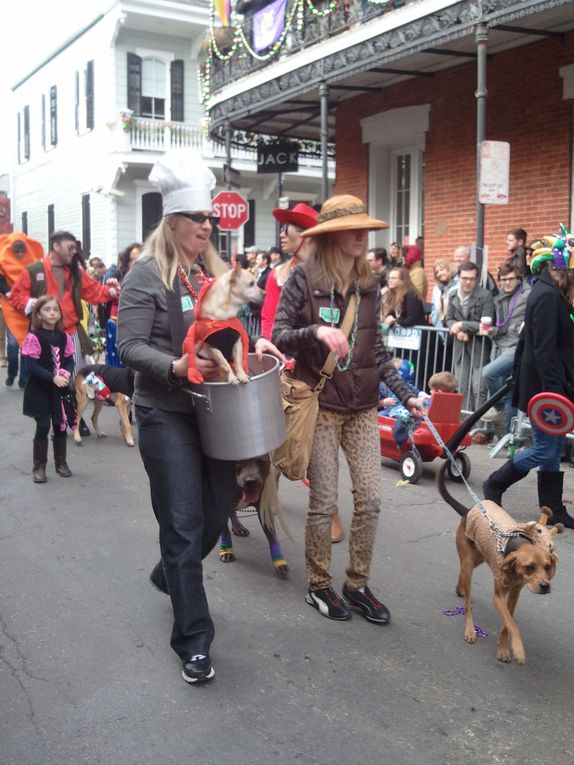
[500, 535]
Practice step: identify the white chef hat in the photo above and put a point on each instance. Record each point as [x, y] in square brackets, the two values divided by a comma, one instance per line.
[184, 180]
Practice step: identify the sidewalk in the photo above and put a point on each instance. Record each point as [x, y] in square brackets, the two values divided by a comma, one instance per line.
[87, 675]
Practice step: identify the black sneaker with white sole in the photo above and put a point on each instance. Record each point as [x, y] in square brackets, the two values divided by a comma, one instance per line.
[197, 669]
[365, 602]
[328, 603]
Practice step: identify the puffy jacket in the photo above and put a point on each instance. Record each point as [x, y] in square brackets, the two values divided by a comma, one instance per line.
[298, 318]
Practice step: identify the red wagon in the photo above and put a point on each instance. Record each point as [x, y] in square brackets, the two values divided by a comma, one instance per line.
[444, 413]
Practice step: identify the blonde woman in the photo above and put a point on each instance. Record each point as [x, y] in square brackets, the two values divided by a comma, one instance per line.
[191, 493]
[307, 327]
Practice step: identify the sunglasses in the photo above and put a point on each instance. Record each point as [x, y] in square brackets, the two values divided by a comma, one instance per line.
[200, 218]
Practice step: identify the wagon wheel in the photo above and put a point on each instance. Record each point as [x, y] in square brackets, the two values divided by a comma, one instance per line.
[411, 467]
[463, 464]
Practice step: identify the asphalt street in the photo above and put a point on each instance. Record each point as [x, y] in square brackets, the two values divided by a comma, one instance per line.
[87, 674]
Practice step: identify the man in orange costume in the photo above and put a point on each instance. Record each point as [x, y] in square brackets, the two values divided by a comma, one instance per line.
[17, 252]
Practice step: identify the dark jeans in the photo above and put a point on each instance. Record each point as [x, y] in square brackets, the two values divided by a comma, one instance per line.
[191, 496]
[12, 354]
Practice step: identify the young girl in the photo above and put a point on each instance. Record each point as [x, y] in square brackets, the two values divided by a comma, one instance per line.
[47, 397]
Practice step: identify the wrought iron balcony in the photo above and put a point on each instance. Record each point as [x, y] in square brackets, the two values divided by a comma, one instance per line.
[307, 23]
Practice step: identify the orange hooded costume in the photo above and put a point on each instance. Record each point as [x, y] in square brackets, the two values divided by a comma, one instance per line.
[11, 267]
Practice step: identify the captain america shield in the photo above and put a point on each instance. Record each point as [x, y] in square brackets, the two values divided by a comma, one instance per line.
[551, 413]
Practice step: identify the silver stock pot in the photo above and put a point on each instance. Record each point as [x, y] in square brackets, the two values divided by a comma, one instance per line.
[237, 422]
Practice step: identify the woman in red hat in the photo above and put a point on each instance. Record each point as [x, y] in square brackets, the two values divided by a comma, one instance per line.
[293, 223]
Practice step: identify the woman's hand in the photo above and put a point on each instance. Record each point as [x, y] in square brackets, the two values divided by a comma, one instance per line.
[390, 319]
[266, 346]
[60, 381]
[335, 341]
[415, 408]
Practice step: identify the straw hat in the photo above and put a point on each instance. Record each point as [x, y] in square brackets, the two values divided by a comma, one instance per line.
[301, 215]
[343, 213]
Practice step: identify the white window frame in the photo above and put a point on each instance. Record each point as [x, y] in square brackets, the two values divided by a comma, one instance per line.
[166, 58]
[416, 193]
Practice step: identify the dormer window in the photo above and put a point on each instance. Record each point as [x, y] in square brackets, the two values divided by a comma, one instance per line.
[155, 87]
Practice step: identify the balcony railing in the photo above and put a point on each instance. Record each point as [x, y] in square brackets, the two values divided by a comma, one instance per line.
[232, 55]
[143, 134]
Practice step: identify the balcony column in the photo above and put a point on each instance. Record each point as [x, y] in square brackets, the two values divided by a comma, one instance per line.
[228, 150]
[324, 95]
[481, 94]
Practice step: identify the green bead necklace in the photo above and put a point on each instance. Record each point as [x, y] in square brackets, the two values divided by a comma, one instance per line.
[343, 367]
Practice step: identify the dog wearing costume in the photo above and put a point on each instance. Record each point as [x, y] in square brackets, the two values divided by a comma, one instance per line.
[518, 554]
[257, 479]
[216, 325]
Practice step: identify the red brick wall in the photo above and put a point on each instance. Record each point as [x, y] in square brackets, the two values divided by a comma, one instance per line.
[524, 107]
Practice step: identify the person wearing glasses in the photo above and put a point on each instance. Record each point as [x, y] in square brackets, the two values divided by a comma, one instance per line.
[510, 311]
[466, 306]
[191, 493]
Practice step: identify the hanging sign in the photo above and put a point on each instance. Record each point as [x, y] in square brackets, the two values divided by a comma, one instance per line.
[494, 173]
[280, 157]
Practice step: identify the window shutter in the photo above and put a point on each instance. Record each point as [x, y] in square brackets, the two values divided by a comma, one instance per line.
[177, 90]
[134, 83]
[26, 132]
[53, 115]
[86, 226]
[25, 222]
[90, 95]
[77, 103]
[51, 220]
[44, 122]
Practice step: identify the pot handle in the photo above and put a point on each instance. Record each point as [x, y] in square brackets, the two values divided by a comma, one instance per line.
[200, 396]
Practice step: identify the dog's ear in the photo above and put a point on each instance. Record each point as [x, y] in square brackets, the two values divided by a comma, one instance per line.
[508, 568]
[236, 272]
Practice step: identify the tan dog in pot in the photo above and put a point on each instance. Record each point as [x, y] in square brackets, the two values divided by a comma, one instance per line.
[216, 325]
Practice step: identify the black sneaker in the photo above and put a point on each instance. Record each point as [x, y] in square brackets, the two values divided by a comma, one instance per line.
[197, 669]
[157, 578]
[10, 381]
[365, 602]
[328, 603]
[84, 430]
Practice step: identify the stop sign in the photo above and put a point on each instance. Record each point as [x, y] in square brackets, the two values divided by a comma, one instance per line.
[231, 209]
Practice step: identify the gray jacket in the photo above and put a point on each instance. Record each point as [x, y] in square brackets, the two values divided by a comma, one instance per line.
[480, 303]
[144, 338]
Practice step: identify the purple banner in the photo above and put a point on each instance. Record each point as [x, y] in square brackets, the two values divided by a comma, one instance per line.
[268, 24]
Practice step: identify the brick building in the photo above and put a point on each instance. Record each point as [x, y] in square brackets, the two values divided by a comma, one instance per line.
[394, 86]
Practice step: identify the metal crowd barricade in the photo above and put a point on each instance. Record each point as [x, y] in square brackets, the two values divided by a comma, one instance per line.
[431, 350]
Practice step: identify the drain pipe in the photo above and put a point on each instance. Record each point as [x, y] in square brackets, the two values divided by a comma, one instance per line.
[481, 94]
[324, 95]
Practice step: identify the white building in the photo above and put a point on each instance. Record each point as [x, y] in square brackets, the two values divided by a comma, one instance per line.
[93, 117]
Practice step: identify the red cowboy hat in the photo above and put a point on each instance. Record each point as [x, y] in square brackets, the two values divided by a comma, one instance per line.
[301, 215]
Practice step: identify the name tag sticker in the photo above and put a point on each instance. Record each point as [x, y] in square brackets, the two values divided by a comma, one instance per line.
[329, 315]
[40, 276]
[186, 303]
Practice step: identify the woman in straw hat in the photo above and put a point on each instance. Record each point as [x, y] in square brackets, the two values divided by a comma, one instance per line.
[307, 326]
[293, 223]
[191, 493]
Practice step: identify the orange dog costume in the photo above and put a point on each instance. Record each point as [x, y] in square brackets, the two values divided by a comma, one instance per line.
[222, 332]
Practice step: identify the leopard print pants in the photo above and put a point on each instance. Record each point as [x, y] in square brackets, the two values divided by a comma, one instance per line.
[358, 435]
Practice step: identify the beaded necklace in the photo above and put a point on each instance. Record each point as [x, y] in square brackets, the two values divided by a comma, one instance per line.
[184, 279]
[343, 367]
